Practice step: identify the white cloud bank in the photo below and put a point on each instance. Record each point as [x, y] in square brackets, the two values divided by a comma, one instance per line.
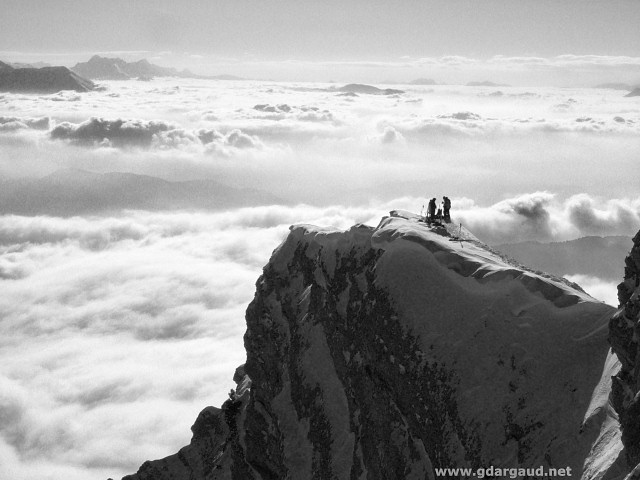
[308, 143]
[542, 216]
[116, 331]
[139, 316]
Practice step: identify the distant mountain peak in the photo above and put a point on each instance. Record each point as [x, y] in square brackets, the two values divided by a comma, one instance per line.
[69, 191]
[41, 80]
[368, 89]
[104, 68]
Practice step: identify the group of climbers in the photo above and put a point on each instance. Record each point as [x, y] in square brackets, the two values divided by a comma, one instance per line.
[442, 213]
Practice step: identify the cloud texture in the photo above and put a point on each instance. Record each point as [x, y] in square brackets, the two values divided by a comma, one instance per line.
[139, 315]
[308, 143]
[541, 216]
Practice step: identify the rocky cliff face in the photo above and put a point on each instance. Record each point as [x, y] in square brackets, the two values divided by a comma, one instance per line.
[388, 352]
[624, 332]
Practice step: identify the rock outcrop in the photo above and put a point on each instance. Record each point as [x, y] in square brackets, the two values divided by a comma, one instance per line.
[624, 334]
[389, 352]
[41, 80]
[634, 93]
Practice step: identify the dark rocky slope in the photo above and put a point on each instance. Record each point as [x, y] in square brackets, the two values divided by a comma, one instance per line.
[384, 353]
[41, 80]
[624, 334]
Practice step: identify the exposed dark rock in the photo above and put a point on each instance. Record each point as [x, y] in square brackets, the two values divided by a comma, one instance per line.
[42, 80]
[216, 436]
[624, 332]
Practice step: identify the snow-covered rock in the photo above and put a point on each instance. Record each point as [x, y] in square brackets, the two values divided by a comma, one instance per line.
[387, 352]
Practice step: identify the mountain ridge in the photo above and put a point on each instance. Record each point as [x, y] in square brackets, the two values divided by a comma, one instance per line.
[69, 192]
[41, 80]
[583, 256]
[388, 352]
[105, 68]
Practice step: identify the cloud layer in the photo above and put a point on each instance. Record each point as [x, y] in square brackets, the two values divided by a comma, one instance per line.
[139, 315]
[309, 143]
[541, 216]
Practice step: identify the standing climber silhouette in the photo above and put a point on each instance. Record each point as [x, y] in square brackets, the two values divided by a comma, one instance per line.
[447, 207]
[432, 209]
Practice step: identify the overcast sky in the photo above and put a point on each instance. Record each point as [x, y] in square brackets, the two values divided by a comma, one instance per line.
[304, 30]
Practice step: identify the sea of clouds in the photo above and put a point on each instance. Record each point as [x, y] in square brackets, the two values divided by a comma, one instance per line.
[118, 327]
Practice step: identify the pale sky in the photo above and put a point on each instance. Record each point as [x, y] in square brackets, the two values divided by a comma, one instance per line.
[324, 30]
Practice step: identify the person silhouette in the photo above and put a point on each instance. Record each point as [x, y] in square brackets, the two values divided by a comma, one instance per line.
[446, 208]
[432, 209]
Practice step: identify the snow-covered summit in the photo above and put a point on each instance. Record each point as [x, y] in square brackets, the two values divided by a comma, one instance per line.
[388, 352]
